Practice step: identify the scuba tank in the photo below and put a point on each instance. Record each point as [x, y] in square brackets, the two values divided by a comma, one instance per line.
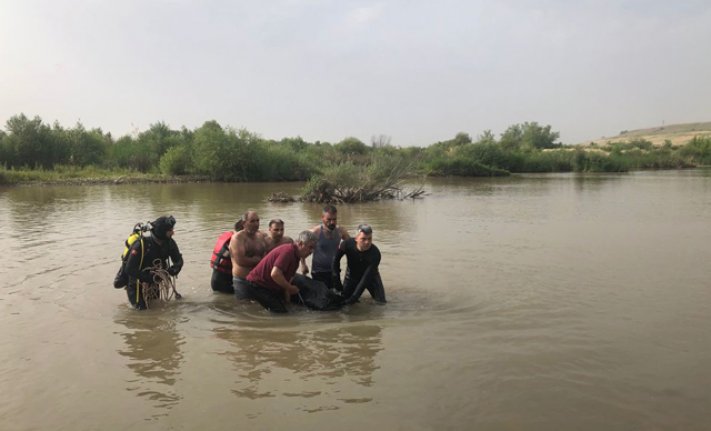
[138, 230]
[121, 279]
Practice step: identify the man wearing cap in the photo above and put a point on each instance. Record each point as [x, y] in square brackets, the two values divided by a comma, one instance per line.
[362, 272]
[158, 248]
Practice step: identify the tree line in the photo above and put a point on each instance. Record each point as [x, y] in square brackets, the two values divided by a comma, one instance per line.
[219, 153]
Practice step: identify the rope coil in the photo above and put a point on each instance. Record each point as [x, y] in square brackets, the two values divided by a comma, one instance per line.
[162, 288]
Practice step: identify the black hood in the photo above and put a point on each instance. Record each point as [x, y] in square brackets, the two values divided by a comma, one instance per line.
[161, 226]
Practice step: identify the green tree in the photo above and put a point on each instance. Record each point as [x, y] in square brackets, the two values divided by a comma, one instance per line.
[130, 154]
[227, 155]
[539, 137]
[512, 138]
[698, 150]
[487, 137]
[352, 146]
[295, 144]
[31, 143]
[88, 147]
[159, 138]
[211, 148]
[177, 160]
[528, 136]
[462, 138]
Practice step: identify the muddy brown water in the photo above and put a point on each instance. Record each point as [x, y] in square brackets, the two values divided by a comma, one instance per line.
[538, 302]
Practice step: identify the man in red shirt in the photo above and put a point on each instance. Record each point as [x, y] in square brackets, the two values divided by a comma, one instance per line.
[270, 281]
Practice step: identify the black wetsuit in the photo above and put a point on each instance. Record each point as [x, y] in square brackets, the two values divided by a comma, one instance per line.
[139, 271]
[362, 272]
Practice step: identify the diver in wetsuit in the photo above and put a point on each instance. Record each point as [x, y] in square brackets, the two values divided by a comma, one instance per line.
[362, 271]
[144, 252]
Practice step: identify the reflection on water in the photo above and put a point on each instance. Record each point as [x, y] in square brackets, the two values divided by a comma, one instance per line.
[319, 358]
[152, 350]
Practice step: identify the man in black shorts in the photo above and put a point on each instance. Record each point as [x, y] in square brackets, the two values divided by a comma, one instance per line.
[362, 273]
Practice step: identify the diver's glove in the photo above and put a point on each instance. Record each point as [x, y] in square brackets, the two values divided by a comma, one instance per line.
[173, 271]
[146, 276]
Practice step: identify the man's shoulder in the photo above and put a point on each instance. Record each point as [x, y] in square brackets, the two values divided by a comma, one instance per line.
[233, 238]
[283, 251]
[284, 247]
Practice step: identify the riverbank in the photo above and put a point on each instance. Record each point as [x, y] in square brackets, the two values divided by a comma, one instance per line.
[88, 176]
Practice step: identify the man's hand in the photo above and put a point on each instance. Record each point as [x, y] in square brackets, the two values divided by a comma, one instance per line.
[349, 301]
[304, 269]
[336, 281]
[292, 290]
[146, 276]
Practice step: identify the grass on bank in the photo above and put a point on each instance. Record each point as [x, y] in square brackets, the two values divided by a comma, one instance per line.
[72, 174]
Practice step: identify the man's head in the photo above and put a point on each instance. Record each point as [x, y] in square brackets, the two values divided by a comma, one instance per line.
[306, 243]
[364, 237]
[276, 229]
[329, 217]
[162, 227]
[251, 221]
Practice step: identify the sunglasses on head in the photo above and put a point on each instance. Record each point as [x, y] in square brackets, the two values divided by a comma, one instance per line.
[365, 228]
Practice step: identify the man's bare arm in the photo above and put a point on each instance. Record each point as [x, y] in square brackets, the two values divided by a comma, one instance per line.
[233, 249]
[278, 277]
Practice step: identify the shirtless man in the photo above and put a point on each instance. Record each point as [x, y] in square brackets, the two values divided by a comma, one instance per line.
[328, 235]
[247, 247]
[276, 234]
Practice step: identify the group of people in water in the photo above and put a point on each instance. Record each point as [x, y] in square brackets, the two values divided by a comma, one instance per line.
[262, 266]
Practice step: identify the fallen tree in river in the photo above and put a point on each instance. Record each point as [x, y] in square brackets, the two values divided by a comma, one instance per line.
[349, 182]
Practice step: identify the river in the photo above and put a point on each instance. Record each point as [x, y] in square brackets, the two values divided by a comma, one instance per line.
[535, 302]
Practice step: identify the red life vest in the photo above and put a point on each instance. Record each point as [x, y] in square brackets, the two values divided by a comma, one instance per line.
[218, 261]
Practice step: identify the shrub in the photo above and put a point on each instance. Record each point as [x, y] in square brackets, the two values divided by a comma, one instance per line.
[698, 150]
[177, 161]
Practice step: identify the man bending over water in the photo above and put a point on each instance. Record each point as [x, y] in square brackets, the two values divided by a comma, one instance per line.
[271, 282]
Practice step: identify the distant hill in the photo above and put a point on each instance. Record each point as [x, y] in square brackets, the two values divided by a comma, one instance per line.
[678, 134]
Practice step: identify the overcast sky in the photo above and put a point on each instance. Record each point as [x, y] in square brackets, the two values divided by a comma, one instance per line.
[417, 71]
